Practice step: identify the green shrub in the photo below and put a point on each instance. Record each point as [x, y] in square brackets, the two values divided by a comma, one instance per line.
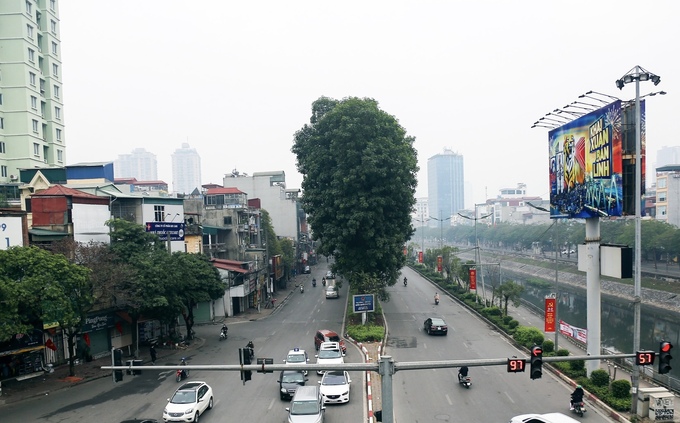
[548, 346]
[563, 352]
[621, 389]
[577, 365]
[367, 333]
[506, 319]
[491, 311]
[600, 377]
[618, 404]
[513, 324]
[528, 336]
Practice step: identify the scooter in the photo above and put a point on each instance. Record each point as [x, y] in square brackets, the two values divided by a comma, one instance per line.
[313, 282]
[323, 282]
[182, 373]
[405, 282]
[223, 335]
[250, 347]
[302, 289]
[436, 301]
[579, 408]
[466, 381]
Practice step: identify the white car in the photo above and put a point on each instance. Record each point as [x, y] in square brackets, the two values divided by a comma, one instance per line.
[189, 401]
[543, 418]
[329, 353]
[297, 356]
[335, 386]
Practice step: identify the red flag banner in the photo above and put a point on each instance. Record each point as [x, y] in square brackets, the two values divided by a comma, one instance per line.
[439, 263]
[473, 278]
[49, 344]
[420, 257]
[550, 315]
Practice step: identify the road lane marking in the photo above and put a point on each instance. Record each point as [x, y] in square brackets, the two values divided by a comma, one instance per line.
[509, 397]
[271, 404]
[448, 399]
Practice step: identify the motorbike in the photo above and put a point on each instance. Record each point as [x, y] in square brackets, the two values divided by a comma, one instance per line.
[314, 282]
[250, 347]
[405, 282]
[302, 289]
[182, 373]
[323, 282]
[466, 381]
[436, 301]
[223, 334]
[579, 408]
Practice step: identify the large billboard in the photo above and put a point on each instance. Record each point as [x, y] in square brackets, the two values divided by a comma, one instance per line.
[592, 163]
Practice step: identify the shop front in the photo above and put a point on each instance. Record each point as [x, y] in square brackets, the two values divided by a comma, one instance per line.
[22, 357]
[94, 340]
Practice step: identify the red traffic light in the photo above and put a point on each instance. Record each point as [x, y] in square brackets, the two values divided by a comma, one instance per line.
[666, 346]
[537, 351]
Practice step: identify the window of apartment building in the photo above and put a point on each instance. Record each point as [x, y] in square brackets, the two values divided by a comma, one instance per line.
[31, 78]
[58, 134]
[0, 99]
[57, 113]
[2, 147]
[159, 213]
[2, 123]
[29, 8]
[29, 31]
[55, 69]
[661, 183]
[53, 27]
[35, 126]
[3, 171]
[55, 48]
[56, 91]
[34, 102]
[42, 109]
[660, 210]
[53, 5]
[662, 197]
[36, 149]
[31, 55]
[60, 156]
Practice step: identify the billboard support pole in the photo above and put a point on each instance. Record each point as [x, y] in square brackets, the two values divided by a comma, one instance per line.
[637, 74]
[593, 291]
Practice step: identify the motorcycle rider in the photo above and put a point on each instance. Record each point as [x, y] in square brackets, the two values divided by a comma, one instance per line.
[576, 396]
[323, 281]
[436, 297]
[225, 329]
[251, 348]
[462, 373]
[302, 288]
[314, 282]
[183, 362]
[405, 281]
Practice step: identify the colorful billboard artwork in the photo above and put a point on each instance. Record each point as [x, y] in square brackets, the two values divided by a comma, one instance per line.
[586, 164]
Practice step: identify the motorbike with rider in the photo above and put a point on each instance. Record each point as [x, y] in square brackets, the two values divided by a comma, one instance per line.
[182, 373]
[223, 332]
[314, 282]
[463, 377]
[302, 288]
[576, 405]
[436, 298]
[405, 281]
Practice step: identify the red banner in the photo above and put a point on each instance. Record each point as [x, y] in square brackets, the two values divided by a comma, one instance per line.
[549, 315]
[439, 263]
[473, 278]
[420, 257]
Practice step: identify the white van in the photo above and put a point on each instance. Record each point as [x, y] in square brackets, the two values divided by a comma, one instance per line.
[306, 406]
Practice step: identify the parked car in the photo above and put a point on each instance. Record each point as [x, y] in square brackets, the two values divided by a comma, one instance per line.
[325, 335]
[435, 325]
[335, 386]
[329, 353]
[543, 418]
[289, 381]
[189, 402]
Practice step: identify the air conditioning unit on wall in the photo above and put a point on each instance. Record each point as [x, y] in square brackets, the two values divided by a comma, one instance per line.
[13, 178]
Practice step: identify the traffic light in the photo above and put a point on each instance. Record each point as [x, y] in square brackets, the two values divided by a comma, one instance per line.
[536, 362]
[244, 357]
[117, 361]
[665, 356]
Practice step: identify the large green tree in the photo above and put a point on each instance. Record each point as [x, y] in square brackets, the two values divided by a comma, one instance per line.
[359, 178]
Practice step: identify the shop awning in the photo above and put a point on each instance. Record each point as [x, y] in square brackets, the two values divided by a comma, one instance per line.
[22, 350]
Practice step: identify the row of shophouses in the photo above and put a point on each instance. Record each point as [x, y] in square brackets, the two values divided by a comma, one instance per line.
[76, 201]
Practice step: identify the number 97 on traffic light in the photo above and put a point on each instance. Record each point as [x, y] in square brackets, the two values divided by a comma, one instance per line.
[516, 365]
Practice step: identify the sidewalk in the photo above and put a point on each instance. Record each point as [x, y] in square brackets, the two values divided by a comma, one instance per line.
[15, 391]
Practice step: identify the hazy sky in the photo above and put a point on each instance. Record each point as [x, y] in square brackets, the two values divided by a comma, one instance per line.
[236, 79]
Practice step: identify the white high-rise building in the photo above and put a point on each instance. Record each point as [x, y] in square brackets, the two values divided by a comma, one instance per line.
[140, 164]
[31, 93]
[186, 170]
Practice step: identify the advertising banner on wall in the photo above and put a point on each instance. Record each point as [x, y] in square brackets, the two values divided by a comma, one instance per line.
[588, 174]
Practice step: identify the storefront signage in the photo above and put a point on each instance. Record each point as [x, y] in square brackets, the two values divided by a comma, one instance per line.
[93, 323]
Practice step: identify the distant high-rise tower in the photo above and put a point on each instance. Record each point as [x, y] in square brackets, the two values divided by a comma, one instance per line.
[186, 170]
[140, 164]
[668, 156]
[445, 185]
[31, 95]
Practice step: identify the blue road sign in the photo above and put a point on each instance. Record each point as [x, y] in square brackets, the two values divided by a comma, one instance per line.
[363, 303]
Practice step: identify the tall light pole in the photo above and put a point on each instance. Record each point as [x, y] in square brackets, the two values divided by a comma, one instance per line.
[441, 228]
[478, 256]
[636, 75]
[557, 291]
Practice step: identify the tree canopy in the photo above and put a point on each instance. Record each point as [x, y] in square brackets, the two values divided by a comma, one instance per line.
[359, 178]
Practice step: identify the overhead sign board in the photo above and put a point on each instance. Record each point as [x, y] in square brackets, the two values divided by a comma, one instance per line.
[363, 303]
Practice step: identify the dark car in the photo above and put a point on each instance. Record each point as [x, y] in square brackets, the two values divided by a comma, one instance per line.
[435, 325]
[325, 335]
[289, 381]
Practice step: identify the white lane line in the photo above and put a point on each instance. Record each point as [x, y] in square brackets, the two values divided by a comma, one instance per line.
[509, 397]
[271, 404]
[448, 399]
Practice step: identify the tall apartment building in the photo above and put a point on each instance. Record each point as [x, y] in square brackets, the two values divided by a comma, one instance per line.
[668, 194]
[31, 94]
[186, 170]
[140, 164]
[445, 185]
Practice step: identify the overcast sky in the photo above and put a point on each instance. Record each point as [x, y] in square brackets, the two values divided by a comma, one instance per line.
[236, 79]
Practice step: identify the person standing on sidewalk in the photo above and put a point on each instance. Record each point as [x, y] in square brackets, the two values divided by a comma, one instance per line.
[152, 352]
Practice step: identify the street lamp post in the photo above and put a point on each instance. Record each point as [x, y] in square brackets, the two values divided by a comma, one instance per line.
[478, 256]
[441, 228]
[636, 75]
